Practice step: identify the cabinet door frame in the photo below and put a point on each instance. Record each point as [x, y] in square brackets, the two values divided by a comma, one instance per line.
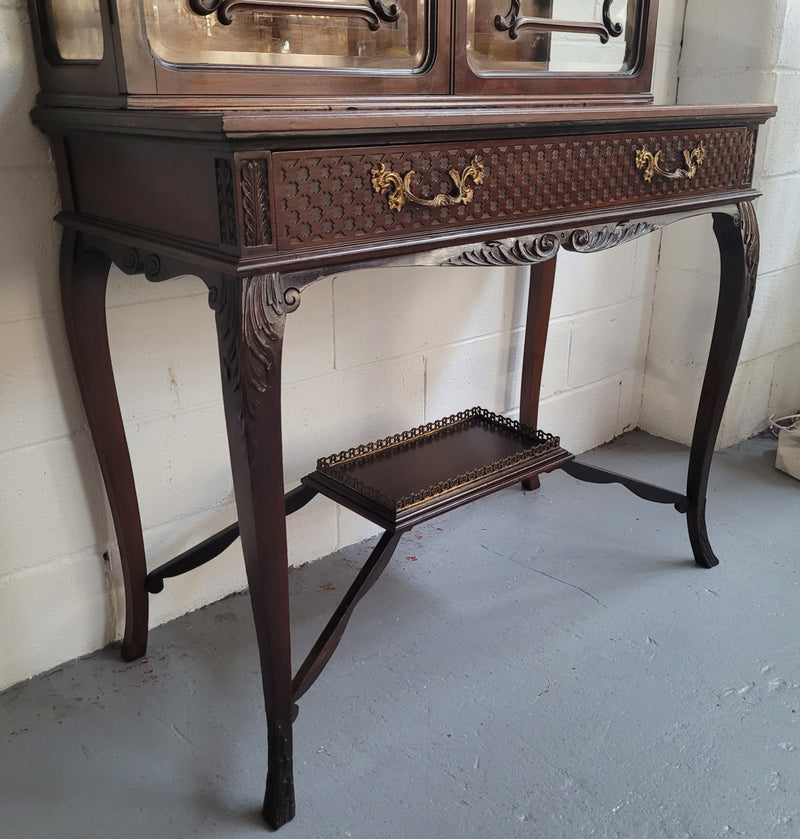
[147, 75]
[633, 86]
[65, 76]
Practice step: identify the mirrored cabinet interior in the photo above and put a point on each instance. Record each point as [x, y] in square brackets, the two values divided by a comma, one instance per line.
[265, 145]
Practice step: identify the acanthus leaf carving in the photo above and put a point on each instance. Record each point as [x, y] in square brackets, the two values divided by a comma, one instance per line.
[517, 252]
[540, 248]
[251, 315]
[255, 202]
[751, 240]
[591, 240]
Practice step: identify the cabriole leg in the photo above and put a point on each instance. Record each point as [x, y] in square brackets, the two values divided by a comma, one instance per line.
[250, 324]
[540, 298]
[84, 277]
[738, 241]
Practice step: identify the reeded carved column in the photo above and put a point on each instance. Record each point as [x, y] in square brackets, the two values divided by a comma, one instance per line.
[251, 314]
[738, 239]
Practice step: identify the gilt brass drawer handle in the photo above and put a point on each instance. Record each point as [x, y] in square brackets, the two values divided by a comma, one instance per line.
[651, 163]
[400, 186]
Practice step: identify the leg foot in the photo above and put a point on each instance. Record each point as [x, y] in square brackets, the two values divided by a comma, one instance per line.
[279, 804]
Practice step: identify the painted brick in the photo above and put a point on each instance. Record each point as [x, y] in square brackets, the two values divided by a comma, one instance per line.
[585, 282]
[40, 398]
[488, 371]
[21, 142]
[51, 503]
[418, 308]
[648, 252]
[51, 614]
[308, 341]
[483, 372]
[783, 138]
[744, 35]
[775, 321]
[125, 290]
[670, 23]
[785, 395]
[583, 417]
[665, 74]
[29, 243]
[608, 341]
[630, 399]
[683, 316]
[790, 44]
[725, 86]
[690, 245]
[181, 463]
[672, 391]
[330, 413]
[165, 356]
[746, 409]
[313, 531]
[778, 219]
[669, 402]
[354, 528]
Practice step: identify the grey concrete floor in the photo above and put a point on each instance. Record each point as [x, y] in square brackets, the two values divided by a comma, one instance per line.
[546, 665]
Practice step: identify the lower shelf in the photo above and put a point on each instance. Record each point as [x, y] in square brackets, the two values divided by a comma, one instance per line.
[401, 481]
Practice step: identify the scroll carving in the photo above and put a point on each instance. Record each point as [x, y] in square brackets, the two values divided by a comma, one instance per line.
[372, 14]
[534, 249]
[255, 203]
[518, 252]
[594, 239]
[512, 22]
[134, 261]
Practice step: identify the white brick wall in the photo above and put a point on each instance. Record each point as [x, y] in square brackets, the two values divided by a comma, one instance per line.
[366, 354]
[748, 52]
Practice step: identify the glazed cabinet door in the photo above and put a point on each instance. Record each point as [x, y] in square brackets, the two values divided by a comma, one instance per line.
[579, 49]
[302, 48]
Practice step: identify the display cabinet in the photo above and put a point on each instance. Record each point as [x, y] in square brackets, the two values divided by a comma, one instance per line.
[264, 145]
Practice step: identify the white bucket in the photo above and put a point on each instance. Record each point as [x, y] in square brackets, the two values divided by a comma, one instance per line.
[788, 456]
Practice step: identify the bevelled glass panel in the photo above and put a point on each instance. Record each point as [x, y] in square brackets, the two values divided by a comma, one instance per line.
[530, 37]
[77, 29]
[353, 36]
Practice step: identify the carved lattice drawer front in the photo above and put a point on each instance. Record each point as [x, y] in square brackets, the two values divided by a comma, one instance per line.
[327, 197]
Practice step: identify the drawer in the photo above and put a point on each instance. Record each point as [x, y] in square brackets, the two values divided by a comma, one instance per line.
[328, 197]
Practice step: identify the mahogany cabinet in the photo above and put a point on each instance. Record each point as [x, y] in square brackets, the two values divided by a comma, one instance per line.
[263, 145]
